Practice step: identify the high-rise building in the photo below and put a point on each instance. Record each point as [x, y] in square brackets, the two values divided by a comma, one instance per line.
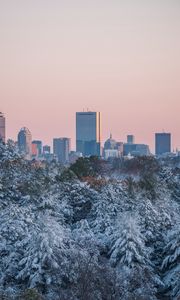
[162, 143]
[88, 133]
[47, 155]
[34, 151]
[2, 128]
[25, 142]
[39, 147]
[61, 149]
[46, 149]
[130, 139]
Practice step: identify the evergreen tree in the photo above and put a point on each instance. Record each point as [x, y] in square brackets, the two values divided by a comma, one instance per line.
[132, 258]
[171, 263]
[44, 254]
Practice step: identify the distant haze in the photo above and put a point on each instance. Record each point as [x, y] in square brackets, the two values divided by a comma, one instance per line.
[120, 57]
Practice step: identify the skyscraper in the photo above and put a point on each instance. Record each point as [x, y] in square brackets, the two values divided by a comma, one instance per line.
[34, 151]
[130, 139]
[39, 146]
[162, 143]
[88, 133]
[61, 149]
[25, 142]
[2, 128]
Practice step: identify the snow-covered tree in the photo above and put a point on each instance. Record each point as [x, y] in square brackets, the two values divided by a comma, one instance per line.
[129, 254]
[128, 247]
[171, 263]
[45, 253]
[92, 279]
[77, 239]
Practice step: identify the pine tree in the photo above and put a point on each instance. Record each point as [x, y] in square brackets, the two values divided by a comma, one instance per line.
[132, 258]
[44, 254]
[128, 248]
[171, 263]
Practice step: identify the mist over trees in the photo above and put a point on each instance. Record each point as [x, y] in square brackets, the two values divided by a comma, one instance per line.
[93, 231]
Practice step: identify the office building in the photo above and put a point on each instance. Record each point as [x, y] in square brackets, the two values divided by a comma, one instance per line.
[120, 147]
[162, 143]
[34, 151]
[130, 139]
[88, 133]
[38, 145]
[61, 149]
[25, 142]
[47, 155]
[46, 149]
[136, 150]
[2, 128]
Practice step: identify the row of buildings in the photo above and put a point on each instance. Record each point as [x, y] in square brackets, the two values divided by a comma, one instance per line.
[34, 149]
[88, 142]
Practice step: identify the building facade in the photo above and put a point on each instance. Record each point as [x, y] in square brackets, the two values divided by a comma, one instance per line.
[136, 149]
[111, 153]
[130, 139]
[25, 142]
[47, 155]
[46, 149]
[110, 143]
[34, 151]
[2, 128]
[112, 148]
[88, 133]
[61, 149]
[162, 143]
[38, 145]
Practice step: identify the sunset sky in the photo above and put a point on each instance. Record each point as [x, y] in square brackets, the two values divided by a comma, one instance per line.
[120, 57]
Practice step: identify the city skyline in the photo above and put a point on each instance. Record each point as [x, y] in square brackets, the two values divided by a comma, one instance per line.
[119, 57]
[94, 120]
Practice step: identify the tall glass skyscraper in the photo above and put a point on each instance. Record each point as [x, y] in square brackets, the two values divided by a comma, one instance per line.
[88, 133]
[2, 128]
[130, 139]
[162, 143]
[25, 142]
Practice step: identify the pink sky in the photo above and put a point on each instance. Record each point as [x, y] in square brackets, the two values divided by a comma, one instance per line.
[118, 57]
